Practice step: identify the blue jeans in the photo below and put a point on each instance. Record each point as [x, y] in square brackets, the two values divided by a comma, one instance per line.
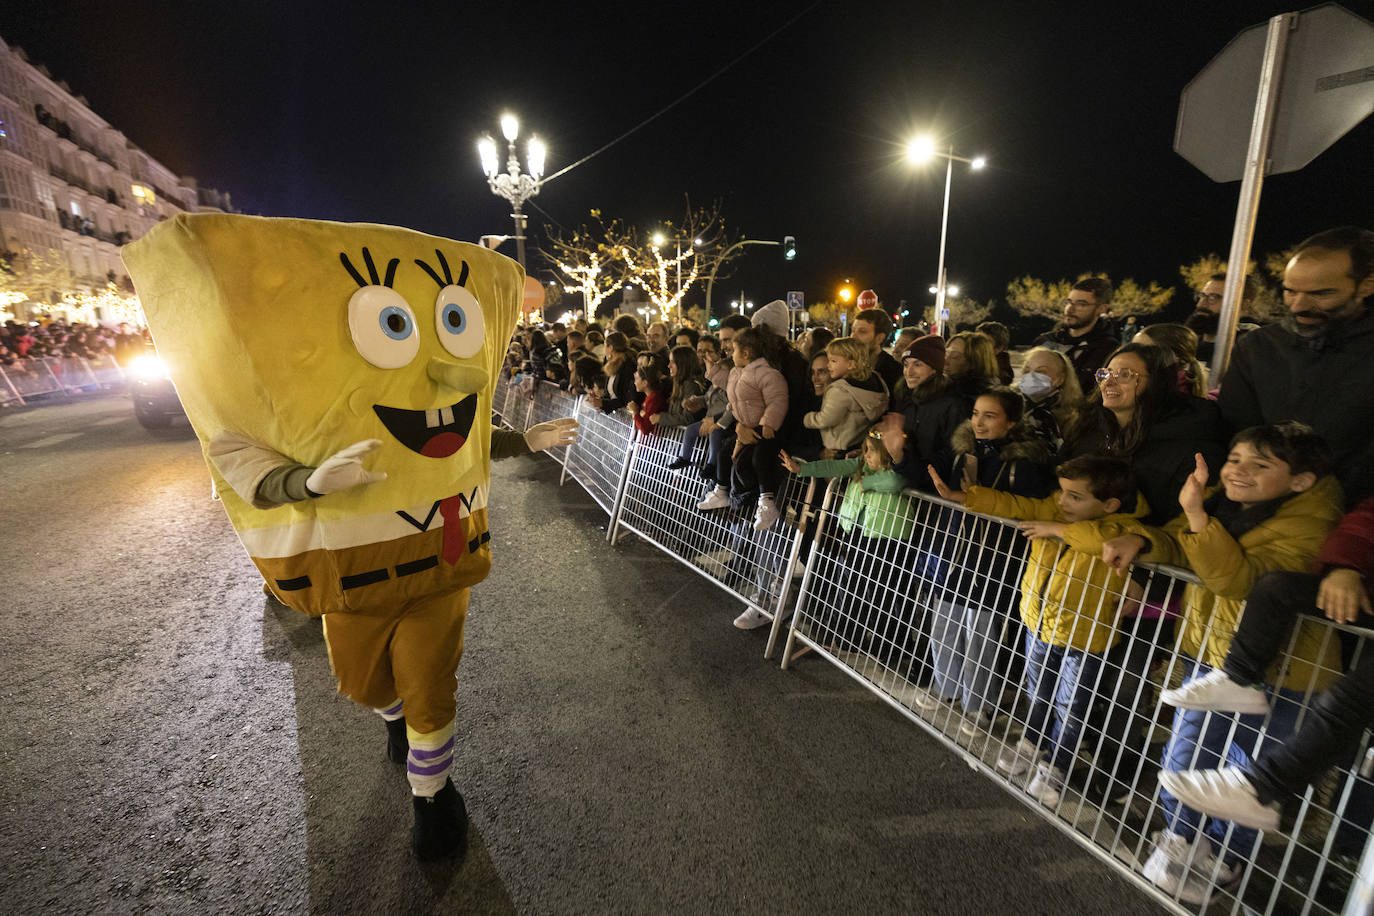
[1061, 683]
[1205, 741]
[964, 643]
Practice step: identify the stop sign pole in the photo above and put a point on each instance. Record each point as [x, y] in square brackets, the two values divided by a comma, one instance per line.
[1256, 164]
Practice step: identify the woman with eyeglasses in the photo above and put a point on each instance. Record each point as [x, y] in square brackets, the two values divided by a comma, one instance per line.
[1138, 412]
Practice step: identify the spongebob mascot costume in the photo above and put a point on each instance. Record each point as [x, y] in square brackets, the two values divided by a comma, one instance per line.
[339, 377]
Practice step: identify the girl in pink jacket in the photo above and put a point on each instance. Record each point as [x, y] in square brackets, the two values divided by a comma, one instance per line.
[757, 394]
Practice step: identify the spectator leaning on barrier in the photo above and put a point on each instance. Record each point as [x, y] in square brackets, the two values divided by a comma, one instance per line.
[1070, 602]
[619, 368]
[1275, 506]
[688, 388]
[871, 328]
[1180, 344]
[653, 386]
[1317, 365]
[854, 400]
[1053, 398]
[993, 450]
[1330, 735]
[925, 412]
[877, 522]
[1137, 412]
[1084, 335]
[719, 423]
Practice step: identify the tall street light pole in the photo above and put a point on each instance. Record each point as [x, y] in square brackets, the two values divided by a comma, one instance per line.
[921, 150]
[513, 184]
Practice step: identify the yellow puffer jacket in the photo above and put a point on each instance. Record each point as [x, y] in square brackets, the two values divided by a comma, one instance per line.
[1228, 568]
[1069, 597]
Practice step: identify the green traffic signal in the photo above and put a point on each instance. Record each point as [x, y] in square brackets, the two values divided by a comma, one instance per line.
[789, 247]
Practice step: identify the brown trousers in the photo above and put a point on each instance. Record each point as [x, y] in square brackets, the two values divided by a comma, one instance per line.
[412, 654]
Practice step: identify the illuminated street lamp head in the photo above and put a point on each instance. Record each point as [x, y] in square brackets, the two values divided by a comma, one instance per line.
[697, 242]
[536, 157]
[846, 293]
[921, 149]
[486, 148]
[978, 162]
[658, 239]
[510, 127]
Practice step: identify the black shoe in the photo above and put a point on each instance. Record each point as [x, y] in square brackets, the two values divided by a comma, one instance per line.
[441, 826]
[679, 463]
[397, 744]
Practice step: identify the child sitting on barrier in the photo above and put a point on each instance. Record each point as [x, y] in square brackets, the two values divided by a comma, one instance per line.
[970, 607]
[1070, 603]
[877, 521]
[652, 386]
[1275, 505]
[856, 398]
[688, 388]
[715, 355]
[758, 400]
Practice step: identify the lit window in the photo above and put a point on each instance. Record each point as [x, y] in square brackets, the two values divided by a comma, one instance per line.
[144, 194]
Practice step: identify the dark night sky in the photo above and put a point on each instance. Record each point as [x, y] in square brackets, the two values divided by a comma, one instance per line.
[370, 112]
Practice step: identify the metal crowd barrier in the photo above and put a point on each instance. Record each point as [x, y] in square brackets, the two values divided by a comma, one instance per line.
[929, 621]
[57, 375]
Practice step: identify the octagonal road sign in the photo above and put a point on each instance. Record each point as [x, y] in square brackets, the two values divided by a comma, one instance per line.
[1325, 89]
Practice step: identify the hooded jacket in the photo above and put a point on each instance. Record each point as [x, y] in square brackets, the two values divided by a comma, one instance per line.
[874, 501]
[848, 409]
[1069, 597]
[758, 395]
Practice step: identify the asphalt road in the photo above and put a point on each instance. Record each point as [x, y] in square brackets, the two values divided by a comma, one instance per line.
[173, 742]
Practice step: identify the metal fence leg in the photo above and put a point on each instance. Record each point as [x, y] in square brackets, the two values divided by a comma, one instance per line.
[778, 616]
[804, 589]
[567, 452]
[13, 390]
[631, 448]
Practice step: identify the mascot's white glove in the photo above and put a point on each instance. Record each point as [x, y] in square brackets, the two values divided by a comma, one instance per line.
[345, 469]
[551, 434]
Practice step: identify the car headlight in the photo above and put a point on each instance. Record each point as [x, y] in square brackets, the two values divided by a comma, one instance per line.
[149, 368]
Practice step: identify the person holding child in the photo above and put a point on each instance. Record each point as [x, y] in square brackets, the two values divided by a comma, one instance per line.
[1070, 604]
[1276, 503]
[994, 450]
[855, 398]
[757, 394]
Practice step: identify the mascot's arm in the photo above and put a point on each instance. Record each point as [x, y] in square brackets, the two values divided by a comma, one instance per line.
[262, 477]
[507, 443]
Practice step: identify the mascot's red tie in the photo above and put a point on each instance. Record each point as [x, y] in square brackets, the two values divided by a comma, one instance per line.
[455, 538]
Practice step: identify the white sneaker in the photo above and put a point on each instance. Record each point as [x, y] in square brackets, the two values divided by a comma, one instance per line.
[975, 724]
[1226, 793]
[1216, 691]
[718, 498]
[926, 700]
[766, 514]
[1018, 758]
[1048, 784]
[752, 619]
[1181, 869]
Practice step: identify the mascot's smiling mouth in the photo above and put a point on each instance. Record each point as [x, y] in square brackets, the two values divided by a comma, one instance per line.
[434, 433]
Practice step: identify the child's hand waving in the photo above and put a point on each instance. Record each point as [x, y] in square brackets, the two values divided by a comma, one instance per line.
[1190, 496]
[943, 488]
[792, 464]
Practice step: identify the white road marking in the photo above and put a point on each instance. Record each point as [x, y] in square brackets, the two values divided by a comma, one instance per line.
[51, 440]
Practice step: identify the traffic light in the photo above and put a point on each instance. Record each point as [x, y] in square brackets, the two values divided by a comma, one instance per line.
[789, 247]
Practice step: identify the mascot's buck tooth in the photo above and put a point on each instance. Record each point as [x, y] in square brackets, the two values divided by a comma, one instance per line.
[304, 350]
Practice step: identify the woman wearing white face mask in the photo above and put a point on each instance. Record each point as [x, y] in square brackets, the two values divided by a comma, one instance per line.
[1053, 396]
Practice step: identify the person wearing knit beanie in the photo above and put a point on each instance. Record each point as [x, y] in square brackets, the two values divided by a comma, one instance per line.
[929, 350]
[773, 316]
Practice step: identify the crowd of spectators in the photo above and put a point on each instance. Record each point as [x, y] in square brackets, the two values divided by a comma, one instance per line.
[23, 344]
[1112, 445]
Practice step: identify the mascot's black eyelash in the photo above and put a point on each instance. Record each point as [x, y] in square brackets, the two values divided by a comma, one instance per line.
[448, 274]
[371, 269]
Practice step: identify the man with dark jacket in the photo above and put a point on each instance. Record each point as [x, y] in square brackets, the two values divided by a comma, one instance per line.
[1317, 364]
[1085, 336]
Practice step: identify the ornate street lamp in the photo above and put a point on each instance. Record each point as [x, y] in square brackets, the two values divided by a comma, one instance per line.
[513, 184]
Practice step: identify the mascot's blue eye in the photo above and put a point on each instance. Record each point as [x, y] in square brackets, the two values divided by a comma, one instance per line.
[395, 323]
[453, 318]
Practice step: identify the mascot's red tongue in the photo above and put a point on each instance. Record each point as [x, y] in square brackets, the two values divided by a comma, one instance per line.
[455, 538]
[442, 445]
